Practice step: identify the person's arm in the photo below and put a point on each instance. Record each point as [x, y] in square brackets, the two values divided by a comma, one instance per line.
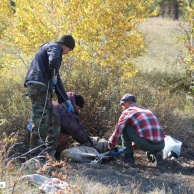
[62, 96]
[55, 57]
[118, 131]
[60, 91]
[54, 53]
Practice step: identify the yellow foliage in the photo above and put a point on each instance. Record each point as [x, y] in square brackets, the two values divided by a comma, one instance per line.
[6, 14]
[105, 31]
[189, 37]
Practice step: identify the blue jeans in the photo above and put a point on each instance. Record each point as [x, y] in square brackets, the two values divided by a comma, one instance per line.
[129, 135]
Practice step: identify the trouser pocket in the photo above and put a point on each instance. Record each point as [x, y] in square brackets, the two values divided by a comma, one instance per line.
[33, 91]
[37, 92]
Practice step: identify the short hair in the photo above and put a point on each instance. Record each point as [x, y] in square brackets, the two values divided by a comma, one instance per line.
[79, 101]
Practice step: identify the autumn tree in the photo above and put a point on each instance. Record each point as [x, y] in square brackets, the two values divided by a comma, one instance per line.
[107, 41]
[189, 41]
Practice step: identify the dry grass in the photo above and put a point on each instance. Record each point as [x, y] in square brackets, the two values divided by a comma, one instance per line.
[159, 69]
[164, 53]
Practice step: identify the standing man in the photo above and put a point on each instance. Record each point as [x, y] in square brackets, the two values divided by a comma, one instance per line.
[140, 126]
[42, 81]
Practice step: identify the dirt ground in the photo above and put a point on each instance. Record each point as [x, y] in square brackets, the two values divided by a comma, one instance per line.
[174, 177]
[168, 177]
[114, 177]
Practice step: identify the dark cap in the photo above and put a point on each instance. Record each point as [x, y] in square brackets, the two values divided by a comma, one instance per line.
[127, 98]
[79, 101]
[67, 40]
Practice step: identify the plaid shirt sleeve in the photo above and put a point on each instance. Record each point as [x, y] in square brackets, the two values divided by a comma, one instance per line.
[119, 129]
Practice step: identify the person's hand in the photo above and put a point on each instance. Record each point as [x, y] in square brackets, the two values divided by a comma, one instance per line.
[110, 146]
[30, 125]
[117, 151]
[70, 106]
[134, 146]
[54, 80]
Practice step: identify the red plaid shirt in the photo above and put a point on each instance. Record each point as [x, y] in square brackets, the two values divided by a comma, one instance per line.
[143, 120]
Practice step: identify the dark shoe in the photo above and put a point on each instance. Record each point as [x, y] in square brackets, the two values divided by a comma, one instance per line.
[129, 159]
[51, 155]
[159, 158]
[154, 156]
[151, 157]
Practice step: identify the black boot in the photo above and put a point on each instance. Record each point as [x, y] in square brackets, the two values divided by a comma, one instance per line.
[129, 159]
[154, 157]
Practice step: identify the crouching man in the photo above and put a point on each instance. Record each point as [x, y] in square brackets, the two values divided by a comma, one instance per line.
[139, 125]
[69, 126]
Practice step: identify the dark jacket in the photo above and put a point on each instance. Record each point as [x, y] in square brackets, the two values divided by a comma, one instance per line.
[46, 61]
[69, 124]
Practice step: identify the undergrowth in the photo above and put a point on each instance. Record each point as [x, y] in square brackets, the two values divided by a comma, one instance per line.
[155, 90]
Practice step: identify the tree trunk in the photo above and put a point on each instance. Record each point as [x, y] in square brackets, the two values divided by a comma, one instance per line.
[176, 10]
[163, 10]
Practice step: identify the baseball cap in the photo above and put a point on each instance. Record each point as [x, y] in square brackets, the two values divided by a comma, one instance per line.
[128, 97]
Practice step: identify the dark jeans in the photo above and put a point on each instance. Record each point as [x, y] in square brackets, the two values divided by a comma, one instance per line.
[129, 135]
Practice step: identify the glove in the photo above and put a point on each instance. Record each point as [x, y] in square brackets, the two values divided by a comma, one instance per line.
[54, 82]
[70, 106]
[110, 145]
[117, 151]
[29, 126]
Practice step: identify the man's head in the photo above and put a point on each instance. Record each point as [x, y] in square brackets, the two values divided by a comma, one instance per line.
[67, 42]
[79, 101]
[126, 100]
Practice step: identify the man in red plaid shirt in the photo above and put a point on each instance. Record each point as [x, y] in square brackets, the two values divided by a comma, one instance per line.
[139, 126]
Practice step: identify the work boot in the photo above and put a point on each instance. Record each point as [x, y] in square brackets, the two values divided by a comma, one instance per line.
[51, 155]
[159, 158]
[129, 159]
[151, 157]
[154, 156]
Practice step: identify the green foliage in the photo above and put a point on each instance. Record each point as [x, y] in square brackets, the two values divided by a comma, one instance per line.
[105, 31]
[189, 40]
[107, 42]
[168, 8]
[101, 68]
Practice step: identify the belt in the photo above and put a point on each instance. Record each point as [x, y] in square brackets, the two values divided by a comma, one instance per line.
[155, 143]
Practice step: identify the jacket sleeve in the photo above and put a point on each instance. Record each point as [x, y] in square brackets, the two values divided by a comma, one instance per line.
[54, 59]
[119, 129]
[69, 125]
[60, 91]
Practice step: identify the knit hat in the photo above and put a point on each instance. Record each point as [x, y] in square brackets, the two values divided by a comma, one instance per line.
[127, 98]
[79, 101]
[67, 40]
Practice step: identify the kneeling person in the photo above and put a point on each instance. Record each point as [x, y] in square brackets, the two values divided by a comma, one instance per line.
[139, 125]
[69, 125]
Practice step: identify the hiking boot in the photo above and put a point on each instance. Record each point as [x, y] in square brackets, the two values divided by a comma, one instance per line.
[51, 155]
[159, 158]
[154, 156]
[151, 157]
[129, 159]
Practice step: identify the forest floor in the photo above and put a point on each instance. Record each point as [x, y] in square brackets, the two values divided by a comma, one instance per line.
[176, 177]
[171, 176]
